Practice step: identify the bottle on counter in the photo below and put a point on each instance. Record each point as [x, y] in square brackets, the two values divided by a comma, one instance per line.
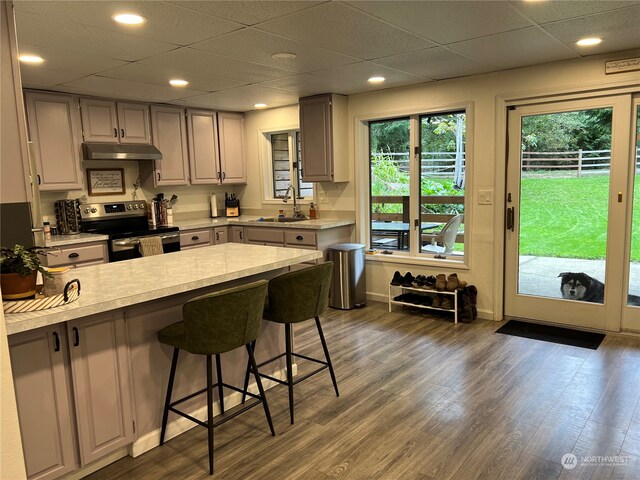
[47, 230]
[281, 214]
[313, 213]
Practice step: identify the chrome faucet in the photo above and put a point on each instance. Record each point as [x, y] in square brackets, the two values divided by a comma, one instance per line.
[285, 198]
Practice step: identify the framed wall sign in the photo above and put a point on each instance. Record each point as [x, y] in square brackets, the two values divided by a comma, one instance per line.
[105, 181]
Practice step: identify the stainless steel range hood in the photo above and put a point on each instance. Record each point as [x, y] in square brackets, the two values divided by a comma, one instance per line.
[114, 151]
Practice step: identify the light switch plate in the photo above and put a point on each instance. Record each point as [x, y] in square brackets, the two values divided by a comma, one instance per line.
[485, 197]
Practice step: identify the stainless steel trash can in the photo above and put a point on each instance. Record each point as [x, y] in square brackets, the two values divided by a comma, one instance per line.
[348, 286]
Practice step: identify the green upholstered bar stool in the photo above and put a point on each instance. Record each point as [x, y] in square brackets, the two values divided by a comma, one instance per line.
[213, 324]
[295, 297]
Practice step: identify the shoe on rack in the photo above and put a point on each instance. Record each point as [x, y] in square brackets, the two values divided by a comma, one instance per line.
[465, 313]
[407, 280]
[436, 302]
[441, 282]
[426, 300]
[452, 282]
[430, 281]
[420, 280]
[446, 303]
[397, 279]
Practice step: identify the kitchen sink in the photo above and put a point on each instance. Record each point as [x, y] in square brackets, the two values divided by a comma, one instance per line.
[280, 220]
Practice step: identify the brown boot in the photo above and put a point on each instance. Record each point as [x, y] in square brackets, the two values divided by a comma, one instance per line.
[452, 282]
[441, 282]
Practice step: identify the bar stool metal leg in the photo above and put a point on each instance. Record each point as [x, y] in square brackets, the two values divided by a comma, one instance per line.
[219, 381]
[246, 375]
[288, 347]
[167, 401]
[263, 398]
[210, 411]
[326, 354]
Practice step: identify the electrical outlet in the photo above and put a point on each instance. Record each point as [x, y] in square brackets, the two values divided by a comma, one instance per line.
[485, 197]
[322, 197]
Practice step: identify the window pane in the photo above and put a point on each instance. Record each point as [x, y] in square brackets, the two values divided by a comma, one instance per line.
[442, 183]
[389, 144]
[281, 168]
[634, 268]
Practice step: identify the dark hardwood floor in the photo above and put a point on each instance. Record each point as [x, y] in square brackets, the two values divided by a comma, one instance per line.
[422, 398]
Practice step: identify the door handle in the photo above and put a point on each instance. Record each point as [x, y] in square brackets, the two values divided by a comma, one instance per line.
[223, 175]
[195, 237]
[122, 132]
[158, 176]
[510, 218]
[74, 255]
[56, 339]
[76, 337]
[39, 182]
[115, 132]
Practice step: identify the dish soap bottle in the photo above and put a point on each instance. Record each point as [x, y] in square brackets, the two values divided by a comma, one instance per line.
[313, 213]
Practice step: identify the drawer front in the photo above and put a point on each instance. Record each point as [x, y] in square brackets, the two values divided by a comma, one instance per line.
[195, 238]
[264, 235]
[75, 255]
[295, 237]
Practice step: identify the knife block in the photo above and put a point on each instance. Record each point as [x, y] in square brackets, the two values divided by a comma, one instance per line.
[232, 208]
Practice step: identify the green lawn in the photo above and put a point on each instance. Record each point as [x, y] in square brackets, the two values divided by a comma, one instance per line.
[567, 217]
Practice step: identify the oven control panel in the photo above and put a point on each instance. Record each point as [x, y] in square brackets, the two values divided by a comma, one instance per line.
[97, 211]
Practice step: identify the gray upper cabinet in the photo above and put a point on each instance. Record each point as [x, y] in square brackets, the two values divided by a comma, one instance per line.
[170, 137]
[324, 138]
[40, 370]
[54, 129]
[108, 122]
[204, 160]
[232, 159]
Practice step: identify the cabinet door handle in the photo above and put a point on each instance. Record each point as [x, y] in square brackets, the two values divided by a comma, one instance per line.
[115, 132]
[74, 255]
[223, 175]
[299, 237]
[241, 235]
[158, 176]
[195, 237]
[76, 337]
[122, 132]
[217, 235]
[39, 182]
[56, 339]
[218, 175]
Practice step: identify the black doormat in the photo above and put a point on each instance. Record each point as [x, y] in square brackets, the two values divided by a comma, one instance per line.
[547, 333]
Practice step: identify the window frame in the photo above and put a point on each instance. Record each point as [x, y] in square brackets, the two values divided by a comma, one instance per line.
[267, 167]
[415, 255]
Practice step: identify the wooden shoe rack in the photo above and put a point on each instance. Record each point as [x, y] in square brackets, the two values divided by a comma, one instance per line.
[393, 289]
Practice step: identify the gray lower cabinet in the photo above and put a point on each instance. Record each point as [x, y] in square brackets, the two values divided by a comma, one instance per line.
[40, 363]
[74, 256]
[73, 391]
[236, 234]
[220, 235]
[195, 238]
[302, 238]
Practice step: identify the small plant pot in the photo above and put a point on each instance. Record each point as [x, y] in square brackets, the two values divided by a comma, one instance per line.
[18, 287]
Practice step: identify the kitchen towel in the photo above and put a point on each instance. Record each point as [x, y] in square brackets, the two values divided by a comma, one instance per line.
[150, 246]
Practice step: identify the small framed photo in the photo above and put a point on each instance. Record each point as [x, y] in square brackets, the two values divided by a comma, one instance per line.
[105, 181]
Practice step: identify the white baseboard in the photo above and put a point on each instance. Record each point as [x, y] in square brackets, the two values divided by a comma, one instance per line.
[179, 425]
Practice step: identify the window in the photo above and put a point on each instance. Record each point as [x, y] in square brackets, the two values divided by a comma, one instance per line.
[418, 201]
[285, 161]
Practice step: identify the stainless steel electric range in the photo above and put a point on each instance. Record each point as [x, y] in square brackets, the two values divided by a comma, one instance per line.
[125, 223]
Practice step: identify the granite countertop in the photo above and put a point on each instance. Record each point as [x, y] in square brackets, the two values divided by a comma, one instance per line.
[121, 284]
[243, 220]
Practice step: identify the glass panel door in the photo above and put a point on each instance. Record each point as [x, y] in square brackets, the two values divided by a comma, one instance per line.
[564, 242]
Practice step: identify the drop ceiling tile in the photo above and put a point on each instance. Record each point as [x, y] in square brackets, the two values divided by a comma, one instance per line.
[446, 21]
[247, 13]
[306, 84]
[41, 31]
[137, 72]
[619, 30]
[165, 22]
[197, 61]
[544, 12]
[244, 98]
[258, 46]
[437, 63]
[340, 28]
[528, 46]
[95, 85]
[64, 60]
[358, 73]
[32, 75]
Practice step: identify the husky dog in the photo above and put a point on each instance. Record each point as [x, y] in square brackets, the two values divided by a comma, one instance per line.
[580, 286]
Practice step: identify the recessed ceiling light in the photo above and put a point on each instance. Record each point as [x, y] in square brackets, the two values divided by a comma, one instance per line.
[376, 80]
[283, 56]
[129, 18]
[30, 59]
[260, 105]
[587, 42]
[177, 82]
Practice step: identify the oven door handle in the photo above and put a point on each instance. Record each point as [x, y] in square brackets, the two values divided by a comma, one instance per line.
[134, 241]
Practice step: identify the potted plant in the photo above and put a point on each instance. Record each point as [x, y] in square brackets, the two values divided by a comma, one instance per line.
[19, 267]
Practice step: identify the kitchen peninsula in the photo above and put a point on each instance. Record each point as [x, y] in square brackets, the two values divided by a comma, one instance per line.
[90, 376]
